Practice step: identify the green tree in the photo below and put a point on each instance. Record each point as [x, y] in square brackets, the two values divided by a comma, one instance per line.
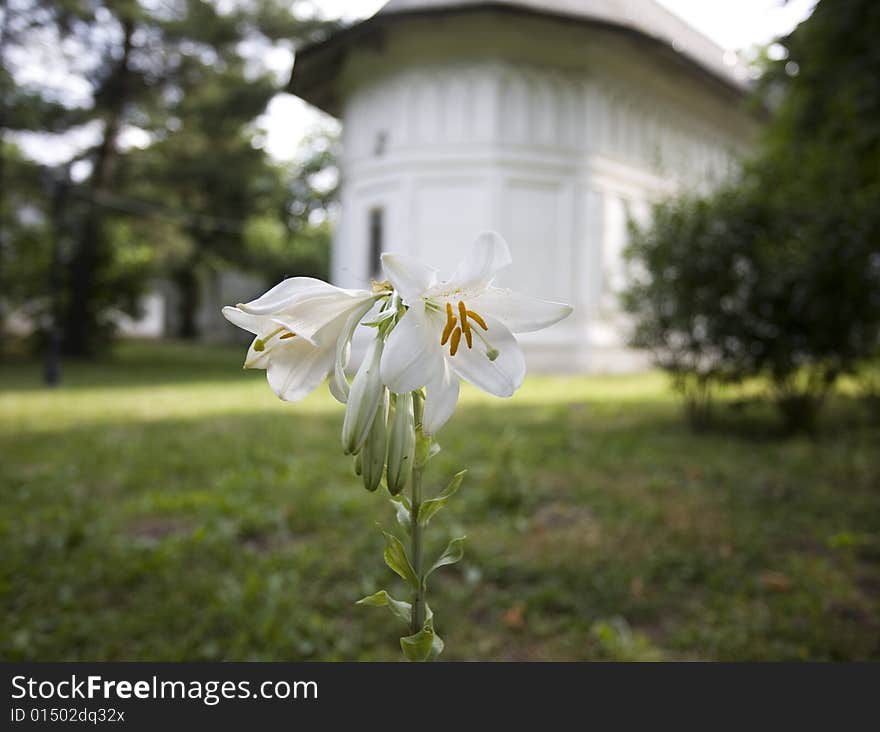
[239, 208]
[300, 243]
[820, 167]
[778, 274]
[23, 199]
[141, 62]
[209, 169]
[25, 239]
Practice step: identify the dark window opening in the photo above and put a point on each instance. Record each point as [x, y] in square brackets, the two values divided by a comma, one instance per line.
[381, 144]
[376, 243]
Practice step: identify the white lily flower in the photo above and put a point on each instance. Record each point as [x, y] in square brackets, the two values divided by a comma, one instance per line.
[366, 393]
[302, 328]
[461, 328]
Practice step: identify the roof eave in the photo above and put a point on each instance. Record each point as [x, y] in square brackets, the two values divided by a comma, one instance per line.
[318, 63]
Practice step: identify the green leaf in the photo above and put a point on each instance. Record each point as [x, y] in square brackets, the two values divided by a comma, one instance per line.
[418, 647]
[397, 560]
[425, 645]
[431, 506]
[400, 498]
[426, 448]
[401, 609]
[453, 553]
[436, 647]
[380, 318]
[402, 508]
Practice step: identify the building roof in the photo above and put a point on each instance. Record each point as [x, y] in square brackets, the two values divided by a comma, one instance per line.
[317, 64]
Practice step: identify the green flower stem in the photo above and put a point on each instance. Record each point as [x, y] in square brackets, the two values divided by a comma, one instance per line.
[418, 606]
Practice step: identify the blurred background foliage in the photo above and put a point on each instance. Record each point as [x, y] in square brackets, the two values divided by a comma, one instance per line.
[777, 274]
[176, 181]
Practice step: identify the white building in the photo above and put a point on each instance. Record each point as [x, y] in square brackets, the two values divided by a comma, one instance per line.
[549, 121]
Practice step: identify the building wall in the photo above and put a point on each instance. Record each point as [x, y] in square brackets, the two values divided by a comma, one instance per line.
[216, 290]
[553, 155]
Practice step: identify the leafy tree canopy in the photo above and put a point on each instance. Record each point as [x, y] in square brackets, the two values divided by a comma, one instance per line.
[778, 273]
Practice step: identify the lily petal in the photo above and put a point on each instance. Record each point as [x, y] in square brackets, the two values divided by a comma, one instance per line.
[487, 257]
[256, 359]
[441, 396]
[520, 313]
[314, 313]
[297, 368]
[245, 321]
[408, 275]
[303, 326]
[501, 377]
[286, 292]
[412, 353]
[338, 383]
[292, 291]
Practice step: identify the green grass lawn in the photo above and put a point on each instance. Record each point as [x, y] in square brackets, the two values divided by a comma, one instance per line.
[163, 505]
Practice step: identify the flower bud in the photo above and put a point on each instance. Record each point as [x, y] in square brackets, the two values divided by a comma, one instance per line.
[363, 400]
[376, 447]
[401, 444]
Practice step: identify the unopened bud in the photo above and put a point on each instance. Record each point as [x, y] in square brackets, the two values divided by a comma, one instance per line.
[363, 400]
[401, 444]
[376, 447]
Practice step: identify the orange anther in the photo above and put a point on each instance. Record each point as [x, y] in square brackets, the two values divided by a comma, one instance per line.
[477, 319]
[447, 331]
[462, 316]
[456, 339]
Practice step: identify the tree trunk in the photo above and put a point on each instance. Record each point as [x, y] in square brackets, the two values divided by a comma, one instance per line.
[81, 319]
[187, 281]
[3, 123]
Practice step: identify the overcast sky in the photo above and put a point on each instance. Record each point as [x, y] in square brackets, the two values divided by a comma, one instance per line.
[733, 24]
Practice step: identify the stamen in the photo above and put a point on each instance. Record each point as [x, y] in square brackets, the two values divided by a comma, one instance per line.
[288, 335]
[447, 331]
[477, 319]
[260, 343]
[456, 327]
[456, 339]
[465, 326]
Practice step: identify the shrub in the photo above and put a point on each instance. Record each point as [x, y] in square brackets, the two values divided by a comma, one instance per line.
[691, 278]
[778, 274]
[733, 285]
